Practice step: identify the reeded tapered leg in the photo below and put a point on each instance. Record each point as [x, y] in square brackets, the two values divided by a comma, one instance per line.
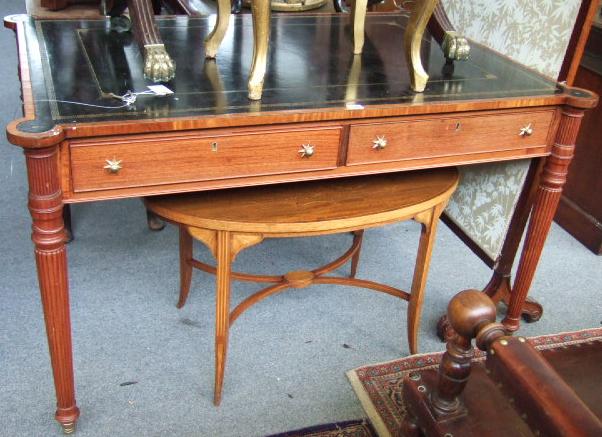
[222, 310]
[358, 15]
[429, 221]
[214, 39]
[46, 208]
[552, 180]
[185, 265]
[358, 236]
[412, 40]
[261, 39]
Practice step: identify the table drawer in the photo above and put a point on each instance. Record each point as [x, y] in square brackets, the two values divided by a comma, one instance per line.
[175, 159]
[442, 136]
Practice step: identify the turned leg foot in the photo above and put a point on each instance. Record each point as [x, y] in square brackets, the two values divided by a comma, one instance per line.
[532, 311]
[154, 222]
[68, 428]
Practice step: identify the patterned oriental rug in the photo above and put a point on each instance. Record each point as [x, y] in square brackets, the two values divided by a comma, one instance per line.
[379, 386]
[352, 428]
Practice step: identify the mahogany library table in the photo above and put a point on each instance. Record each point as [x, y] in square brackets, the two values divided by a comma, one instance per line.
[357, 113]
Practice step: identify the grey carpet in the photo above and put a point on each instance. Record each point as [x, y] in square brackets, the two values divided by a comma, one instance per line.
[288, 355]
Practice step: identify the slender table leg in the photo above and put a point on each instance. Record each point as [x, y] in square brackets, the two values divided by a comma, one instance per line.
[358, 236]
[222, 313]
[46, 208]
[548, 194]
[412, 41]
[185, 265]
[429, 220]
[261, 38]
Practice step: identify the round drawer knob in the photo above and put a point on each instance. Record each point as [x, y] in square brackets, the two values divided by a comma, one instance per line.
[113, 165]
[379, 143]
[526, 131]
[307, 150]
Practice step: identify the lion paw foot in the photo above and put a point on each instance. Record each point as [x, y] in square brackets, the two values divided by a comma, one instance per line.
[158, 65]
[455, 47]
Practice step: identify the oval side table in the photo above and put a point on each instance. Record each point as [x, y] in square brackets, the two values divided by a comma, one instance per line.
[228, 221]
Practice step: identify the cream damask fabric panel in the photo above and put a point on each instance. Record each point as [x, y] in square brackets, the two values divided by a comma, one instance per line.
[486, 197]
[535, 33]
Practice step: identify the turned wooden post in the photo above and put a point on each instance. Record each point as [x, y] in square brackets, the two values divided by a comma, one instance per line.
[471, 314]
[46, 208]
[551, 182]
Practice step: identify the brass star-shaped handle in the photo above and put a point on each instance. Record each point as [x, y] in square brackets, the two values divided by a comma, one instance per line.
[526, 131]
[380, 142]
[306, 150]
[113, 165]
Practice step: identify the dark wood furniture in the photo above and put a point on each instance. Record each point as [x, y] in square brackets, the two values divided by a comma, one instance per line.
[521, 391]
[229, 221]
[580, 208]
[358, 112]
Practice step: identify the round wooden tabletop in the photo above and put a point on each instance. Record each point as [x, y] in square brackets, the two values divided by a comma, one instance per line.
[315, 206]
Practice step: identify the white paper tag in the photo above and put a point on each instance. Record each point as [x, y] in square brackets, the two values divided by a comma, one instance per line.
[160, 90]
[352, 106]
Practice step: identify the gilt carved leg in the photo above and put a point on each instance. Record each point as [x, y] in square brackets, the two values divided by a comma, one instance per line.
[358, 16]
[214, 39]
[261, 39]
[46, 208]
[552, 180]
[412, 41]
[158, 65]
